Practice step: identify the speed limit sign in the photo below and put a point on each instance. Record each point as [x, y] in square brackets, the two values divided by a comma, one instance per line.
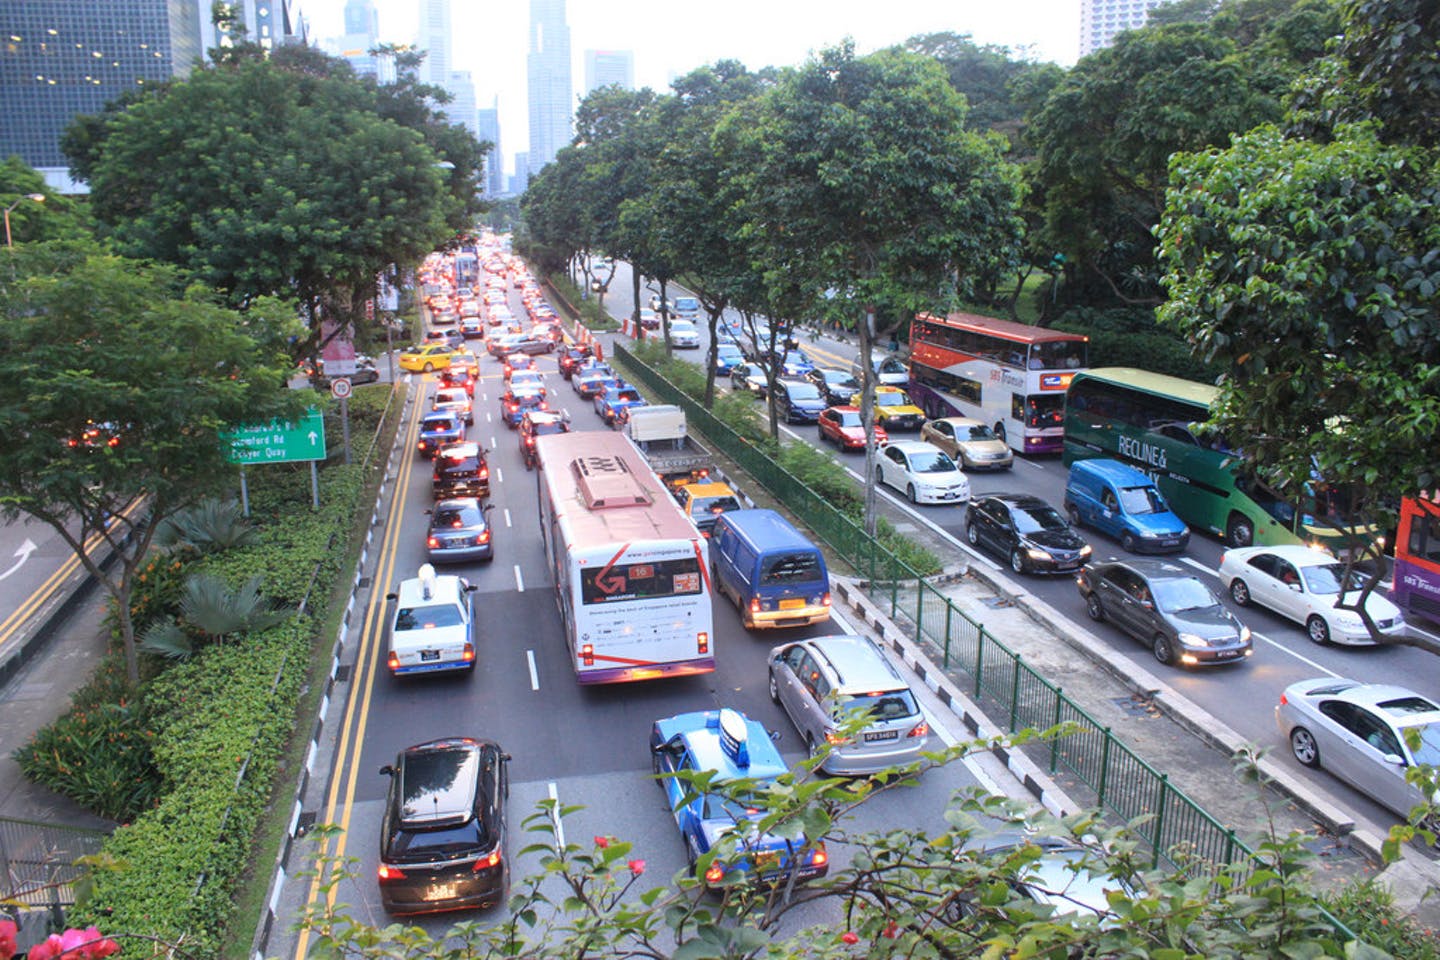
[340, 388]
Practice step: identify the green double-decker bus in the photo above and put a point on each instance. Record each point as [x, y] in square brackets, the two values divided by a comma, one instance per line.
[1155, 423]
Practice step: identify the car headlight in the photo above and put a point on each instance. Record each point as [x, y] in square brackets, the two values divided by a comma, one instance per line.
[1038, 554]
[1192, 640]
[1085, 550]
[1244, 634]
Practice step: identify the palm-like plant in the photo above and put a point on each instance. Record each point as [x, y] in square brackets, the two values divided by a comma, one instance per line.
[209, 526]
[211, 612]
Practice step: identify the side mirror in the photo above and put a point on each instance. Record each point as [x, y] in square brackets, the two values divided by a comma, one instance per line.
[392, 596]
[488, 507]
[387, 771]
[1294, 586]
[429, 512]
[471, 587]
[505, 757]
[1394, 759]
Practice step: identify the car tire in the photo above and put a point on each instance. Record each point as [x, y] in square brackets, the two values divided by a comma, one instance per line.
[1304, 748]
[910, 493]
[1240, 592]
[879, 477]
[1127, 541]
[1094, 607]
[692, 855]
[1162, 649]
[429, 367]
[774, 688]
[1017, 560]
[972, 535]
[1317, 630]
[1074, 513]
[1239, 531]
[655, 765]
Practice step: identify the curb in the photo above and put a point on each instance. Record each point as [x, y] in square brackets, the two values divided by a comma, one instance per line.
[296, 831]
[1036, 781]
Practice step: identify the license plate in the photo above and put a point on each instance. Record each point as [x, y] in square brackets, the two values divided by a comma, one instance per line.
[882, 735]
[429, 655]
[1227, 654]
[794, 603]
[441, 891]
[948, 496]
[767, 861]
[1169, 543]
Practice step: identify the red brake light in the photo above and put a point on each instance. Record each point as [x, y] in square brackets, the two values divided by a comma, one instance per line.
[818, 857]
[484, 473]
[715, 873]
[922, 729]
[834, 739]
[389, 873]
[754, 604]
[702, 642]
[432, 543]
[825, 600]
[587, 655]
[484, 537]
[394, 662]
[469, 653]
[1283, 699]
[485, 863]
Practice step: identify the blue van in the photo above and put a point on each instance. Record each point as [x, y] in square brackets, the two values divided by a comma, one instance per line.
[1122, 502]
[776, 577]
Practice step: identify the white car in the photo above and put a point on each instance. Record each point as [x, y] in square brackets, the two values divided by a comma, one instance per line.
[454, 400]
[431, 629]
[922, 472]
[684, 334]
[1303, 585]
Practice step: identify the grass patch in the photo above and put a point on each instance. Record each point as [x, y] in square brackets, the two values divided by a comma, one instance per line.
[587, 308]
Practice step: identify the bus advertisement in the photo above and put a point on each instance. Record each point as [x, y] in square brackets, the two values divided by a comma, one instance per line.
[1010, 376]
[1155, 423]
[632, 577]
[1416, 584]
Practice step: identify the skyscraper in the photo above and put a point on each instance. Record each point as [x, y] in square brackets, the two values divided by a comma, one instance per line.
[492, 183]
[362, 34]
[362, 18]
[1100, 20]
[434, 39]
[606, 67]
[551, 92]
[61, 59]
[462, 108]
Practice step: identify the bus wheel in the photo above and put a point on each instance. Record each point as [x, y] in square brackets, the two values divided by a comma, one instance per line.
[1239, 532]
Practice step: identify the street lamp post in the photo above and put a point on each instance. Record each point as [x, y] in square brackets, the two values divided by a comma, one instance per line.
[37, 197]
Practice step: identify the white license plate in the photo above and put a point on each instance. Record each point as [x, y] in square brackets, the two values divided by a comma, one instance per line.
[882, 735]
[429, 655]
[1168, 543]
[441, 891]
[1227, 654]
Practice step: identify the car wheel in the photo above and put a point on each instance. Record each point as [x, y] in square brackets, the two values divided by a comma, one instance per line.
[1017, 560]
[1093, 607]
[1304, 748]
[655, 764]
[972, 535]
[1240, 592]
[692, 852]
[879, 477]
[820, 432]
[1162, 649]
[774, 688]
[1074, 513]
[429, 367]
[1127, 540]
[1239, 532]
[1318, 629]
[910, 493]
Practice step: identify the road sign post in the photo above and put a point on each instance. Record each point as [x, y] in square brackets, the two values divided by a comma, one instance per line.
[279, 441]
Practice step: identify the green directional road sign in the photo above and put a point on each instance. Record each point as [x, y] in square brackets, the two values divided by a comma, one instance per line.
[279, 441]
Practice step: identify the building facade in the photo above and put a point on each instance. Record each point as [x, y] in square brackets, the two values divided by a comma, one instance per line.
[550, 90]
[604, 68]
[362, 34]
[492, 180]
[434, 39]
[1101, 20]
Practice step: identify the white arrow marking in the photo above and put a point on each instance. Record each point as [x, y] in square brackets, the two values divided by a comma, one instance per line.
[26, 548]
[313, 437]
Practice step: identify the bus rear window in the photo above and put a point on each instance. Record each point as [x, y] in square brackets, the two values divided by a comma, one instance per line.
[640, 581]
[790, 568]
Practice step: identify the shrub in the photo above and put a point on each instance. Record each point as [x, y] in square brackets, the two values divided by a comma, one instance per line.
[818, 471]
[1131, 338]
[587, 307]
[1369, 911]
[99, 756]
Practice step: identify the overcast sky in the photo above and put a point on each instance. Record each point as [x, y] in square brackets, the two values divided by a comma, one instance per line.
[671, 37]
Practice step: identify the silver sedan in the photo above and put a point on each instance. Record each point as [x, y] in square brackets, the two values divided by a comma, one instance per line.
[1358, 731]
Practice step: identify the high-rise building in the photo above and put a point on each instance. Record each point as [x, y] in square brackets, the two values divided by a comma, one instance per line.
[362, 34]
[521, 178]
[462, 108]
[263, 22]
[551, 92]
[434, 39]
[492, 182]
[606, 67]
[361, 17]
[1101, 20]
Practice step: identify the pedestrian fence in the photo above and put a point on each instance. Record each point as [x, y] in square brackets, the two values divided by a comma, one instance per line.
[38, 861]
[1180, 832]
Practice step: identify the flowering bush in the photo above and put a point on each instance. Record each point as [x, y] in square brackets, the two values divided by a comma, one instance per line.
[87, 944]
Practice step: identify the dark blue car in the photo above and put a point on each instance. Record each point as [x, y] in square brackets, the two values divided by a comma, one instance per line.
[438, 429]
[614, 403]
[736, 748]
[799, 401]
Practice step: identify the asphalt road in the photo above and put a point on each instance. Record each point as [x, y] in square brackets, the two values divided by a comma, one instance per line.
[1243, 695]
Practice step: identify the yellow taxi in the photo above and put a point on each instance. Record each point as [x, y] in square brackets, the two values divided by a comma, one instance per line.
[703, 502]
[426, 357]
[893, 409]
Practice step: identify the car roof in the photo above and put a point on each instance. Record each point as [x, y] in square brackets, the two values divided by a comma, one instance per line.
[1377, 695]
[1296, 553]
[461, 450]
[914, 446]
[1155, 569]
[543, 416]
[438, 415]
[1025, 501]
[701, 733]
[859, 665]
[443, 588]
[457, 503]
[959, 421]
[438, 782]
[711, 489]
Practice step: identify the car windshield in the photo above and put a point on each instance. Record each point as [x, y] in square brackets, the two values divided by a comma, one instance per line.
[1035, 519]
[790, 568]
[439, 425]
[981, 432]
[839, 379]
[1181, 594]
[935, 462]
[466, 516]
[1429, 751]
[890, 365]
[428, 617]
[803, 391]
[1141, 500]
[1324, 579]
[891, 400]
[702, 505]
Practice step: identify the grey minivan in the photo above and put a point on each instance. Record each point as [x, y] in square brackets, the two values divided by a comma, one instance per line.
[823, 681]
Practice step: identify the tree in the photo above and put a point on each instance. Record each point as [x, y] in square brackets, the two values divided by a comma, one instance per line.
[115, 381]
[57, 218]
[866, 195]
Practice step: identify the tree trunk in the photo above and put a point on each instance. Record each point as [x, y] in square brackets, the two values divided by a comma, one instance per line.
[635, 300]
[665, 317]
[867, 416]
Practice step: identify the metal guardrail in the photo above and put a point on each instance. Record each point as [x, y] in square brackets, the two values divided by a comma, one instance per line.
[37, 861]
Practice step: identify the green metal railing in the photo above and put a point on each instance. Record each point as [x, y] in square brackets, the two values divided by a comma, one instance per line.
[1179, 831]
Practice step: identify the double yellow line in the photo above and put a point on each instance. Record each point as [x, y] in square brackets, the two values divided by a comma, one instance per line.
[42, 594]
[367, 665]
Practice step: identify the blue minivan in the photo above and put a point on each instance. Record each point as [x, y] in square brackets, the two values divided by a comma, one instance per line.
[1122, 502]
[776, 577]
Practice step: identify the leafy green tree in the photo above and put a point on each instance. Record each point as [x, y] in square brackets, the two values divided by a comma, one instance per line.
[867, 196]
[115, 381]
[58, 217]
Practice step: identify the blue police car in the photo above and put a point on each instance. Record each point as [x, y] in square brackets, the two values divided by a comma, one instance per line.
[736, 747]
[614, 403]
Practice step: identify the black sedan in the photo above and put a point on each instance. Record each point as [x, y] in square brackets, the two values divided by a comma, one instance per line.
[837, 386]
[1167, 608]
[459, 531]
[1027, 531]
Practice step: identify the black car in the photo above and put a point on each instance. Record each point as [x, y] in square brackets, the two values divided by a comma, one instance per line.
[798, 401]
[571, 358]
[836, 386]
[539, 423]
[459, 531]
[1027, 531]
[460, 471]
[1167, 608]
[442, 836]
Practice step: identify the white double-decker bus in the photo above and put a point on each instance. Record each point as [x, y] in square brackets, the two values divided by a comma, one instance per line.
[632, 576]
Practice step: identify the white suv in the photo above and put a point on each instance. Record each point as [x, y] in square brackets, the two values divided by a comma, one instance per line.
[433, 624]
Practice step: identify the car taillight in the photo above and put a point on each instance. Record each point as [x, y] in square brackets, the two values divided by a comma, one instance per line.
[512, 407]
[529, 441]
[818, 857]
[387, 872]
[484, 473]
[754, 604]
[486, 862]
[483, 538]
[835, 739]
[394, 661]
[715, 873]
[432, 543]
[587, 655]
[825, 599]
[469, 653]
[922, 729]
[702, 642]
[1283, 700]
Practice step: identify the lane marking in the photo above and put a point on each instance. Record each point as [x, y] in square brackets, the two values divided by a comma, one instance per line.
[555, 818]
[1199, 566]
[1303, 659]
[534, 676]
[499, 475]
[493, 444]
[519, 580]
[507, 516]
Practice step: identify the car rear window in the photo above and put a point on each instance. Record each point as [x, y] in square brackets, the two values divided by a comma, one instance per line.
[1404, 706]
[703, 505]
[885, 705]
[445, 843]
[466, 516]
[428, 617]
[790, 568]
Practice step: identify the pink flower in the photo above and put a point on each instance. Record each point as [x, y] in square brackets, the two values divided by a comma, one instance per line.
[850, 937]
[637, 867]
[602, 842]
[71, 942]
[100, 947]
[891, 930]
[47, 949]
[7, 939]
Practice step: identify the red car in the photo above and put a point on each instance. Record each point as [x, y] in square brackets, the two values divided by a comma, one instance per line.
[843, 427]
[459, 377]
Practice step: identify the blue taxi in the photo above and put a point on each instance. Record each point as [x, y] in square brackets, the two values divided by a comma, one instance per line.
[735, 747]
[614, 402]
[437, 429]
